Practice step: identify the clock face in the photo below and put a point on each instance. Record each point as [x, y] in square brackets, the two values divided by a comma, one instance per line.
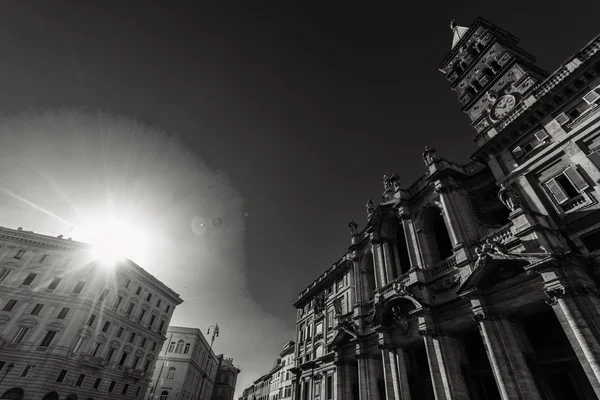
[503, 106]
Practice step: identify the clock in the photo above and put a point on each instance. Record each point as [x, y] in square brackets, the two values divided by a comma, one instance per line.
[503, 106]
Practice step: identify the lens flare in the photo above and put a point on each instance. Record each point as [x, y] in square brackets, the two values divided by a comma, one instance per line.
[113, 240]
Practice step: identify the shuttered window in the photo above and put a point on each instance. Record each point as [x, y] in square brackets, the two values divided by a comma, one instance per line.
[567, 185]
[594, 157]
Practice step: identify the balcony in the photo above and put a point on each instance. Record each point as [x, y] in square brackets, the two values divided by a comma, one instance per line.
[133, 373]
[442, 267]
[94, 362]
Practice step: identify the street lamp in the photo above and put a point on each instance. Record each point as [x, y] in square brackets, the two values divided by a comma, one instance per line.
[215, 333]
[9, 367]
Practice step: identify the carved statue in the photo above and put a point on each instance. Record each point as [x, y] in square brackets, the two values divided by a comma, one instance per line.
[509, 197]
[490, 246]
[378, 303]
[429, 156]
[395, 180]
[353, 228]
[453, 25]
[492, 96]
[400, 289]
[370, 208]
[387, 183]
[337, 306]
[319, 304]
[402, 321]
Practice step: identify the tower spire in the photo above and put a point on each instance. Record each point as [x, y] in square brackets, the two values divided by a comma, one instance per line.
[458, 32]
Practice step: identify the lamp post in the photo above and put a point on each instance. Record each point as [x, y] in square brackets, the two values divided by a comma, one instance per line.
[215, 333]
[9, 367]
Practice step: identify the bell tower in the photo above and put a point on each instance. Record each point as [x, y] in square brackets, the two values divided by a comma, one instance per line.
[490, 74]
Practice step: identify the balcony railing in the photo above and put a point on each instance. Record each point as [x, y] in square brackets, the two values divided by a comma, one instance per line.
[442, 267]
[96, 362]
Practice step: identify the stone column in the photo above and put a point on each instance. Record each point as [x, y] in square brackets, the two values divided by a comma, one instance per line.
[443, 355]
[367, 379]
[503, 347]
[412, 241]
[578, 315]
[343, 380]
[388, 255]
[378, 261]
[394, 371]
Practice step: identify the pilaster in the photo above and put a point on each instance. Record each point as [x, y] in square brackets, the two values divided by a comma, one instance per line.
[367, 378]
[503, 347]
[577, 312]
[394, 370]
[412, 241]
[444, 358]
[378, 261]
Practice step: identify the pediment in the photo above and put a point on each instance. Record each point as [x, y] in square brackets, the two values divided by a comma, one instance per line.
[493, 268]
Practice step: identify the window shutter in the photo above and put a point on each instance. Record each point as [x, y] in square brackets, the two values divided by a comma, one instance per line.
[557, 191]
[576, 179]
[594, 157]
[541, 135]
[592, 96]
[562, 119]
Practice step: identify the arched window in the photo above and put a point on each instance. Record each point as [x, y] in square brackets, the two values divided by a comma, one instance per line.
[319, 351]
[434, 237]
[179, 347]
[402, 251]
[171, 373]
[15, 393]
[164, 395]
[51, 396]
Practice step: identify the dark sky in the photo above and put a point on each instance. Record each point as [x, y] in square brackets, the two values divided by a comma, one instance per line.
[304, 105]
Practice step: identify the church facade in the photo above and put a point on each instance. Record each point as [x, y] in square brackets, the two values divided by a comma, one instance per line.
[478, 281]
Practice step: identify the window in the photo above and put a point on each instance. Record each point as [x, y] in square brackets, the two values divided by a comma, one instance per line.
[138, 291]
[95, 349]
[168, 308]
[28, 371]
[130, 308]
[61, 376]
[592, 96]
[317, 388]
[162, 324]
[340, 284]
[78, 344]
[80, 380]
[36, 309]
[135, 363]
[567, 185]
[43, 258]
[103, 295]
[330, 318]
[164, 395]
[29, 279]
[591, 240]
[329, 388]
[118, 302]
[127, 282]
[97, 383]
[4, 272]
[149, 297]
[171, 347]
[10, 305]
[131, 337]
[137, 392]
[110, 354]
[125, 388]
[152, 318]
[79, 287]
[112, 386]
[147, 365]
[54, 284]
[319, 328]
[20, 334]
[91, 320]
[153, 346]
[171, 373]
[19, 254]
[143, 343]
[179, 347]
[187, 348]
[63, 313]
[48, 339]
[158, 302]
[119, 332]
[123, 359]
[142, 313]
[106, 326]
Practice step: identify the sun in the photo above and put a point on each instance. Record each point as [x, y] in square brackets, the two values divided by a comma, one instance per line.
[113, 240]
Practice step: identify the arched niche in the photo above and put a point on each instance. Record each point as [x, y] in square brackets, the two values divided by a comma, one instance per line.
[397, 314]
[434, 237]
[15, 393]
[72, 396]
